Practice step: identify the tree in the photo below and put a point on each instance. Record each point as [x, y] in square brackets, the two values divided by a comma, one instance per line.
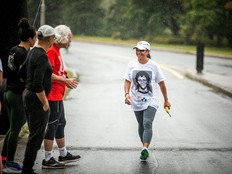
[116, 21]
[208, 19]
[53, 12]
[83, 16]
[228, 22]
[192, 20]
[143, 18]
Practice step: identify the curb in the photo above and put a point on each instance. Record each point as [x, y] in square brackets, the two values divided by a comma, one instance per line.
[205, 82]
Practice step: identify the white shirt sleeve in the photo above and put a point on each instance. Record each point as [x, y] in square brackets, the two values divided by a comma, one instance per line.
[127, 75]
[1, 69]
[159, 76]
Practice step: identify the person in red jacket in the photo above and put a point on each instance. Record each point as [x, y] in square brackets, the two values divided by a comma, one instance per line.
[57, 121]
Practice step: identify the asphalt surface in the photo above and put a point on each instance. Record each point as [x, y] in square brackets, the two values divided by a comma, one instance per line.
[125, 160]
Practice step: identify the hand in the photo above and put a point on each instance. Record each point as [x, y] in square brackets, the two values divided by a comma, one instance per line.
[128, 99]
[46, 107]
[167, 104]
[71, 83]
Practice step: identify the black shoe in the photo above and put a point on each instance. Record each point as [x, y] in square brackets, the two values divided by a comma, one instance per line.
[52, 164]
[33, 172]
[69, 158]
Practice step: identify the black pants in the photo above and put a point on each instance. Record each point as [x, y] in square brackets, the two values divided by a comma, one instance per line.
[37, 120]
[57, 122]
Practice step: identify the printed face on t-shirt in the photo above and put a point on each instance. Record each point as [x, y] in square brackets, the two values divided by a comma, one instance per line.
[142, 81]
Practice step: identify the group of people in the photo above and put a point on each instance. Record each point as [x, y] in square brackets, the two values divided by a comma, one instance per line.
[36, 84]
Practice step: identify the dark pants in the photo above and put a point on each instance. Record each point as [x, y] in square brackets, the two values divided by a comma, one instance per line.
[37, 120]
[17, 119]
[57, 122]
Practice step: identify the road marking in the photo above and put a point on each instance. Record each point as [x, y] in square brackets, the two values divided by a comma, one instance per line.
[175, 73]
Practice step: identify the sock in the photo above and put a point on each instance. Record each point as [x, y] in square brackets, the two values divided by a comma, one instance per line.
[145, 148]
[63, 151]
[4, 158]
[48, 155]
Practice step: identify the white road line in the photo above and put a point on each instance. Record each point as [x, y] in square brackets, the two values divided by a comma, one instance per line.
[175, 73]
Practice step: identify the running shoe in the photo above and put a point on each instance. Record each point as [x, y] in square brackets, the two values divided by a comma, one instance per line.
[12, 167]
[33, 172]
[3, 164]
[69, 158]
[52, 164]
[144, 154]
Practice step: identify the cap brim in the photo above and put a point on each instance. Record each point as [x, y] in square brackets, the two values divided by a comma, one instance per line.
[139, 47]
[57, 36]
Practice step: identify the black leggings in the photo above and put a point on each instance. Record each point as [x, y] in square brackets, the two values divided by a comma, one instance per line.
[17, 119]
[57, 122]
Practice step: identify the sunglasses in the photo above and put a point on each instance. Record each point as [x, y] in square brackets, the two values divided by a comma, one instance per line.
[140, 50]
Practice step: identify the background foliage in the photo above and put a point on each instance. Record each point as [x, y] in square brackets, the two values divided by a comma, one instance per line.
[170, 21]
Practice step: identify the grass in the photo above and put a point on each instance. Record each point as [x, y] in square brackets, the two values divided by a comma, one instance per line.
[190, 49]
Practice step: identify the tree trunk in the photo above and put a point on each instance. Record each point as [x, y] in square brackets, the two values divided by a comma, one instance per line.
[229, 42]
[219, 40]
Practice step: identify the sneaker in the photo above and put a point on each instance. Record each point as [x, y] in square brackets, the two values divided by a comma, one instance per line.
[144, 154]
[12, 167]
[52, 164]
[69, 158]
[3, 164]
[33, 172]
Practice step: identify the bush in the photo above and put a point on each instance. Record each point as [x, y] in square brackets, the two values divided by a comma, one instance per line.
[116, 35]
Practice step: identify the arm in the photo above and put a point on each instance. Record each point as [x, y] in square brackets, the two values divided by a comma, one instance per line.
[164, 92]
[38, 80]
[70, 83]
[127, 85]
[1, 78]
[1, 73]
[42, 97]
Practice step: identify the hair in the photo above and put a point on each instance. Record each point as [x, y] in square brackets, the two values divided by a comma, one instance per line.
[25, 31]
[65, 34]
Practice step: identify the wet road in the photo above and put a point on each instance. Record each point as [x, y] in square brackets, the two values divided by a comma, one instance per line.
[200, 127]
[100, 98]
[103, 130]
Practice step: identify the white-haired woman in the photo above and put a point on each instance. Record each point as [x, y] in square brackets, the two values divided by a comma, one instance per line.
[57, 121]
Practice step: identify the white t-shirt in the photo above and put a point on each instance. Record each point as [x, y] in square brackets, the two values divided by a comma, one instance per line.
[144, 80]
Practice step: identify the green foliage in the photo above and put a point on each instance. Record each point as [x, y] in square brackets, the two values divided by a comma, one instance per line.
[84, 16]
[187, 21]
[53, 12]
